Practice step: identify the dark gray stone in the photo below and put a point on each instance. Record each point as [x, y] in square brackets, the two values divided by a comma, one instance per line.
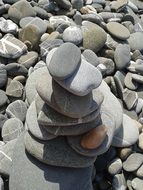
[3, 75]
[3, 119]
[43, 151]
[65, 4]
[15, 69]
[119, 78]
[3, 98]
[77, 4]
[137, 78]
[50, 177]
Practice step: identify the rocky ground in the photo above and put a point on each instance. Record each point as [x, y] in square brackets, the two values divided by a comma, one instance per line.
[109, 35]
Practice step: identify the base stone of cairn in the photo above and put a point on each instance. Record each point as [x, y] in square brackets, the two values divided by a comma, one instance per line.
[73, 117]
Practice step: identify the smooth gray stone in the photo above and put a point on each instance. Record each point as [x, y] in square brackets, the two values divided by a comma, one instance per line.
[48, 116]
[46, 176]
[72, 34]
[119, 81]
[136, 41]
[39, 65]
[17, 109]
[10, 1]
[65, 102]
[92, 17]
[91, 57]
[43, 151]
[47, 5]
[44, 132]
[47, 45]
[109, 64]
[6, 154]
[90, 32]
[115, 166]
[77, 4]
[20, 10]
[129, 82]
[11, 47]
[31, 83]
[80, 85]
[67, 56]
[137, 78]
[130, 98]
[60, 19]
[3, 76]
[33, 126]
[122, 56]
[12, 129]
[3, 119]
[8, 26]
[119, 182]
[137, 183]
[29, 59]
[74, 105]
[133, 162]
[118, 30]
[40, 12]
[38, 22]
[15, 69]
[3, 98]
[15, 89]
[127, 135]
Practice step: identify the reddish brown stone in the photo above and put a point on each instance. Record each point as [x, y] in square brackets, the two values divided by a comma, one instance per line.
[94, 137]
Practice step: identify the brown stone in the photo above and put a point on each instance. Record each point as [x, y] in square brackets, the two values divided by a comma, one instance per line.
[94, 137]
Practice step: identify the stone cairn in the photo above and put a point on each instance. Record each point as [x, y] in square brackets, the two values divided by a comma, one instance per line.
[71, 94]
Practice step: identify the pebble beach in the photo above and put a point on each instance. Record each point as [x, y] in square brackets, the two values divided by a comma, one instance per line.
[71, 95]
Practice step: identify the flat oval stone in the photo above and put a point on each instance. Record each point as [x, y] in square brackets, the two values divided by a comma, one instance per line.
[122, 56]
[118, 30]
[94, 137]
[133, 162]
[12, 128]
[59, 144]
[128, 133]
[94, 37]
[80, 85]
[67, 56]
[137, 183]
[17, 109]
[137, 78]
[73, 34]
[136, 41]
